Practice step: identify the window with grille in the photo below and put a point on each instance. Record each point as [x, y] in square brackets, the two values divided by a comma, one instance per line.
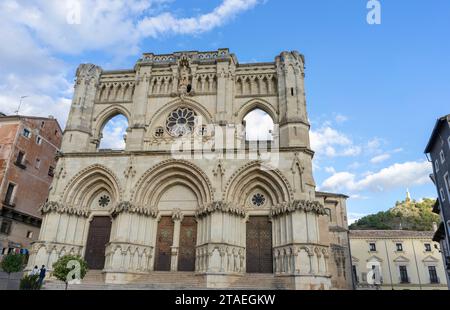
[372, 247]
[433, 274]
[399, 247]
[403, 274]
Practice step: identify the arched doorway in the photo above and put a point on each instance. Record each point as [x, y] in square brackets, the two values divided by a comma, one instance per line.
[179, 234]
[98, 237]
[259, 245]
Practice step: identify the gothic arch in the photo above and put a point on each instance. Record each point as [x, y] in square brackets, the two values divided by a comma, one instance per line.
[106, 115]
[256, 103]
[162, 176]
[85, 184]
[257, 174]
[194, 105]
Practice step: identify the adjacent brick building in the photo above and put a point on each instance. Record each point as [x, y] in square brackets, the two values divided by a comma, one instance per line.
[28, 146]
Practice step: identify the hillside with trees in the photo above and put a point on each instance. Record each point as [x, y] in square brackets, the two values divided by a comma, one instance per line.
[407, 215]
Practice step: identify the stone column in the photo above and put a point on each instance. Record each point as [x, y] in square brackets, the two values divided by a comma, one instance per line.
[177, 218]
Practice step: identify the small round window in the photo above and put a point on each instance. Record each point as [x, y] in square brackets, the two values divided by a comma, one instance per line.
[180, 122]
[104, 201]
[258, 200]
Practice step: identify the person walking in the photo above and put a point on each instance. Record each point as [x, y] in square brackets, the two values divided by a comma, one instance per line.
[34, 271]
[42, 273]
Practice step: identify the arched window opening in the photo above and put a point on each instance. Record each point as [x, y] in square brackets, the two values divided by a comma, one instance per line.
[113, 136]
[258, 126]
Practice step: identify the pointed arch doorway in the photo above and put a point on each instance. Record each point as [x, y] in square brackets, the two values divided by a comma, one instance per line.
[259, 245]
[98, 237]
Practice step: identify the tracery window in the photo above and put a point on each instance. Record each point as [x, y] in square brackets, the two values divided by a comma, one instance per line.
[258, 200]
[181, 121]
[104, 201]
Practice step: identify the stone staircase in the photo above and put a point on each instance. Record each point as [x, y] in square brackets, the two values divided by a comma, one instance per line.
[158, 280]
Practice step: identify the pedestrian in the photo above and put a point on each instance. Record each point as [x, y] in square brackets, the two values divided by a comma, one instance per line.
[42, 275]
[34, 271]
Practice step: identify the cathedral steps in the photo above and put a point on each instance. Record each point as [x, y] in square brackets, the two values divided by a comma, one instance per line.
[94, 280]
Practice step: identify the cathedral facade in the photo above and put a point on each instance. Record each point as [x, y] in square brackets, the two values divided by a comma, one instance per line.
[189, 193]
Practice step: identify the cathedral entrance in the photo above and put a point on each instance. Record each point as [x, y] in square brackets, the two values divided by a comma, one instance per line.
[164, 241]
[259, 245]
[98, 237]
[188, 241]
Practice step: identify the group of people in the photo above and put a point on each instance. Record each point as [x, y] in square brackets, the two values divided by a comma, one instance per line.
[41, 272]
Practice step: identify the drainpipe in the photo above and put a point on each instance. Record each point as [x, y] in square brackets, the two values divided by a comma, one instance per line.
[417, 266]
[389, 264]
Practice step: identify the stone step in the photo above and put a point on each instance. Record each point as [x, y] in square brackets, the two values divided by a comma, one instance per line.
[94, 280]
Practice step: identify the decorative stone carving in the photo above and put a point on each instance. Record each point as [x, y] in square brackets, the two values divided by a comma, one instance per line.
[177, 215]
[303, 205]
[220, 206]
[53, 206]
[126, 206]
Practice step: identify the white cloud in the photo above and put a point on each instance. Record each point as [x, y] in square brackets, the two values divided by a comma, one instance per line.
[329, 142]
[341, 118]
[380, 158]
[35, 36]
[330, 170]
[259, 124]
[398, 175]
[353, 217]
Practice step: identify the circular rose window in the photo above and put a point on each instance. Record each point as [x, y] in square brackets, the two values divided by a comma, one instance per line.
[180, 122]
[258, 199]
[104, 201]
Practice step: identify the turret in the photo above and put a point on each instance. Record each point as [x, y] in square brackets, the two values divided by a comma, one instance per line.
[294, 125]
[77, 135]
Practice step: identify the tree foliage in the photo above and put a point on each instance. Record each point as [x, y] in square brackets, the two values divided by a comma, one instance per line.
[66, 272]
[30, 282]
[407, 215]
[13, 263]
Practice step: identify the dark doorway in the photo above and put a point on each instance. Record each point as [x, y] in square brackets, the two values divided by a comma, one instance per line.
[164, 241]
[259, 245]
[98, 237]
[188, 241]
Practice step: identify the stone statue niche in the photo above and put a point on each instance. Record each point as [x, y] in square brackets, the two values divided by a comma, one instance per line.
[185, 77]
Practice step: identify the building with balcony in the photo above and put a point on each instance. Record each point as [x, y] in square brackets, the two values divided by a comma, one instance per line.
[28, 149]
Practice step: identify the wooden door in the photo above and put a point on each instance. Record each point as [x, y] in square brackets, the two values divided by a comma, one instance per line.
[188, 242]
[98, 236]
[164, 241]
[259, 245]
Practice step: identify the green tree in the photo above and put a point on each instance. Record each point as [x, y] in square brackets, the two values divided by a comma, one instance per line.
[70, 267]
[13, 263]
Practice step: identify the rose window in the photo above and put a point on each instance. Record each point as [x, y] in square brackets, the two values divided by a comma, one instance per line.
[258, 199]
[104, 201]
[180, 122]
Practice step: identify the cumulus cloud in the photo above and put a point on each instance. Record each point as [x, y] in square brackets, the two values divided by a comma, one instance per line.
[398, 175]
[259, 125]
[38, 34]
[329, 142]
[114, 133]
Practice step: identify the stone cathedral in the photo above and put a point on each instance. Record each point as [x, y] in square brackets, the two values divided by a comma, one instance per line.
[189, 195]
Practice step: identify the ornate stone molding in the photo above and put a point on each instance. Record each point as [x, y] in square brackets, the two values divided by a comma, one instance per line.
[128, 207]
[53, 206]
[177, 215]
[302, 205]
[220, 206]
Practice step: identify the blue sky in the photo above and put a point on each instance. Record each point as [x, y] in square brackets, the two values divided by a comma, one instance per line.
[373, 91]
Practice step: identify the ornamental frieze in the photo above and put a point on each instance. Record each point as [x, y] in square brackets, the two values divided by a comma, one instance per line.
[298, 205]
[220, 206]
[128, 207]
[53, 206]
